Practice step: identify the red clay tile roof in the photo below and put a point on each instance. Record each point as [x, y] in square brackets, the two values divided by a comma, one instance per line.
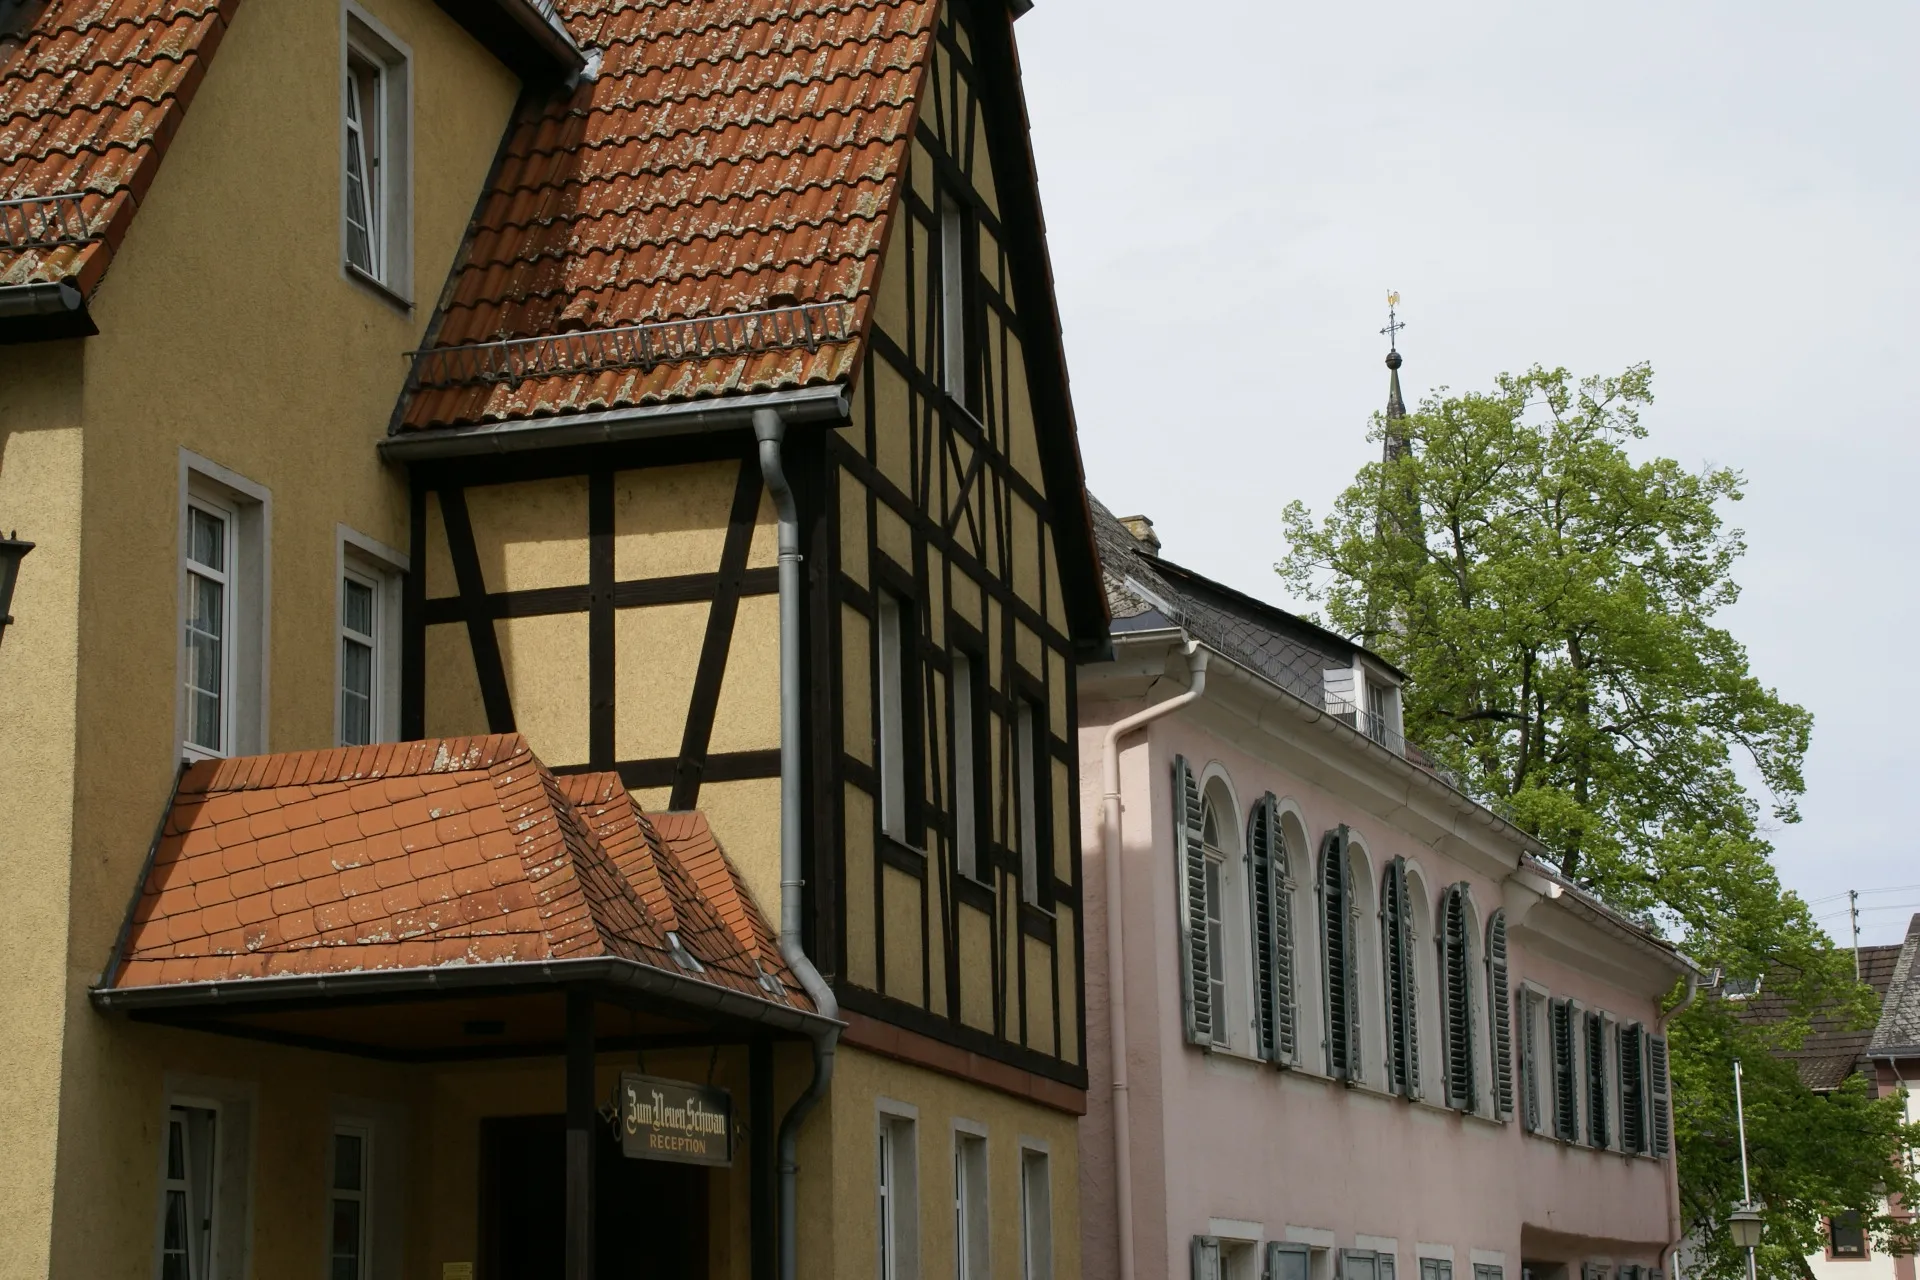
[90, 95]
[730, 156]
[464, 851]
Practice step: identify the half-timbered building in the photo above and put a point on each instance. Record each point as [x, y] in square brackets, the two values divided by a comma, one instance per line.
[666, 677]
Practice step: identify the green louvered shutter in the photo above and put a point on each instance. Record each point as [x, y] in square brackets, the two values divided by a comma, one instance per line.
[1206, 1258]
[1659, 1088]
[1272, 931]
[1456, 968]
[1196, 964]
[1597, 1082]
[1566, 1101]
[1633, 1090]
[1396, 935]
[1336, 933]
[1532, 1079]
[1500, 1015]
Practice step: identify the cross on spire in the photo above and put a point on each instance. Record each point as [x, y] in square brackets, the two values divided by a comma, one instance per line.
[1394, 323]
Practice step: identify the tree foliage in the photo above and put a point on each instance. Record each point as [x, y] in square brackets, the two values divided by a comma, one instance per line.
[1553, 603]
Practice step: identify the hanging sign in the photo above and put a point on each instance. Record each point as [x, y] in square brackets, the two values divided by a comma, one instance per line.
[675, 1121]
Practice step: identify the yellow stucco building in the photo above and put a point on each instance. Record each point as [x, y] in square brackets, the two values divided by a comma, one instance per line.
[720, 551]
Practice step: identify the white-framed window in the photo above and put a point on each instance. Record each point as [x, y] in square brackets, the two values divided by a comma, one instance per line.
[1029, 768]
[1036, 1215]
[209, 625]
[223, 581]
[894, 721]
[375, 143]
[953, 297]
[966, 787]
[972, 1259]
[202, 1227]
[347, 1208]
[899, 1199]
[367, 654]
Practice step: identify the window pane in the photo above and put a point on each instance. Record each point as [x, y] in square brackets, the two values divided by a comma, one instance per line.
[356, 606]
[176, 1152]
[346, 1240]
[356, 694]
[206, 657]
[347, 1148]
[362, 159]
[207, 539]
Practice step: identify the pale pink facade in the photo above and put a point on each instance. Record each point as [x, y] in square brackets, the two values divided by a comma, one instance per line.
[1231, 1148]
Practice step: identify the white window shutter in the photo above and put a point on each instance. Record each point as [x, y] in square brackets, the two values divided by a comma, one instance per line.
[1500, 1015]
[1288, 1261]
[1206, 1258]
[1196, 964]
[1661, 1091]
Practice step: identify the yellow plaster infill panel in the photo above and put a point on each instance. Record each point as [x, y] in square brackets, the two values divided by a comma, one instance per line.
[764, 551]
[454, 705]
[853, 528]
[1056, 593]
[747, 717]
[990, 266]
[866, 1085]
[856, 680]
[922, 169]
[1025, 551]
[546, 664]
[1057, 693]
[1065, 926]
[531, 534]
[657, 651]
[745, 817]
[966, 600]
[1062, 826]
[900, 894]
[976, 968]
[40, 477]
[669, 521]
[936, 600]
[936, 953]
[439, 565]
[863, 964]
[892, 426]
[1039, 996]
[983, 163]
[1027, 647]
[895, 538]
[1023, 435]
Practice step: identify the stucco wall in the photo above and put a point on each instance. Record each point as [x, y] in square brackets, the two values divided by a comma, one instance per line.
[1217, 1136]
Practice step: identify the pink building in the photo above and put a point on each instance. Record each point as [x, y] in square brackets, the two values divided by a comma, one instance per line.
[1367, 1033]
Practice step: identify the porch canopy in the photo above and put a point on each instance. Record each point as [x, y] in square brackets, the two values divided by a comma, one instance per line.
[442, 899]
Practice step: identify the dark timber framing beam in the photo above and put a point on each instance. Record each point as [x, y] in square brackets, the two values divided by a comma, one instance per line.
[712, 671]
[488, 666]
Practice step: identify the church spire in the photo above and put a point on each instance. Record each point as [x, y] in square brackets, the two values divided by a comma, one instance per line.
[1397, 444]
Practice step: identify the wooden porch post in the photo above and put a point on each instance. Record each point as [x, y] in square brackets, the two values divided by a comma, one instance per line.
[580, 1135]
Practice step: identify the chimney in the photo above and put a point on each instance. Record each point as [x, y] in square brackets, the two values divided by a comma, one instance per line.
[1142, 530]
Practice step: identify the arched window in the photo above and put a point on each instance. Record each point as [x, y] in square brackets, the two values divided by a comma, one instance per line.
[1500, 1015]
[1456, 997]
[1397, 956]
[1342, 980]
[1215, 876]
[1214, 915]
[1272, 900]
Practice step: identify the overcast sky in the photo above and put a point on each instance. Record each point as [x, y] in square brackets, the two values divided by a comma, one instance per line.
[1727, 191]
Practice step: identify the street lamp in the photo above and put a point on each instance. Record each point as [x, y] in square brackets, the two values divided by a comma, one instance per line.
[12, 552]
[1744, 1222]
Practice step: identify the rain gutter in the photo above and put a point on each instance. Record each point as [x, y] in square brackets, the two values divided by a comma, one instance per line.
[1111, 851]
[827, 405]
[769, 429]
[183, 997]
[46, 299]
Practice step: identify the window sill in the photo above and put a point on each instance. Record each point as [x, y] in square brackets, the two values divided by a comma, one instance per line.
[387, 294]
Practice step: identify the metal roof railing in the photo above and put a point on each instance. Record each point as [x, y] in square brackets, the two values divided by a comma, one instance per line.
[638, 346]
[44, 222]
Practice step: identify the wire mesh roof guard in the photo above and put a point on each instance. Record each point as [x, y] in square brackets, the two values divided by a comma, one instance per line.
[637, 346]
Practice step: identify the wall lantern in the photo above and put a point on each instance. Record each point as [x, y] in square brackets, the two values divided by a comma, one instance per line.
[12, 552]
[1745, 1224]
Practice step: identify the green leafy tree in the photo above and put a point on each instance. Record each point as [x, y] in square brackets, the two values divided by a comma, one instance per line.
[1553, 601]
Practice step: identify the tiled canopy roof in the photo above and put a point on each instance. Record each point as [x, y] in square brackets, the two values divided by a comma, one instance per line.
[463, 851]
[90, 94]
[727, 157]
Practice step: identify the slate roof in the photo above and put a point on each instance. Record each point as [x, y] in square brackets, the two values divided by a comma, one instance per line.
[727, 157]
[90, 95]
[1145, 591]
[463, 851]
[1898, 1032]
[1832, 1050]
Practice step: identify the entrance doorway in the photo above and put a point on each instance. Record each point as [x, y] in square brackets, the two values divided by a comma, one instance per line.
[650, 1218]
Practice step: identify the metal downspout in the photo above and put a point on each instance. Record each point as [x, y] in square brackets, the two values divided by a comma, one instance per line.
[1116, 944]
[769, 429]
[1669, 1256]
